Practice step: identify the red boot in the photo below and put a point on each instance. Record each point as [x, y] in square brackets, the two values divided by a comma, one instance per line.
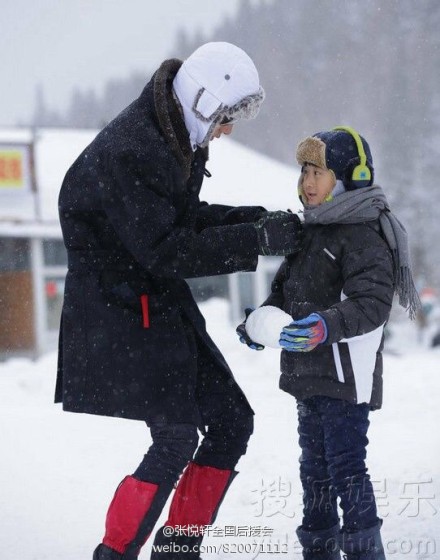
[195, 504]
[131, 517]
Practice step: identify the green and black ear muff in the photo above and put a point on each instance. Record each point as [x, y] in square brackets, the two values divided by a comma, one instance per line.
[361, 175]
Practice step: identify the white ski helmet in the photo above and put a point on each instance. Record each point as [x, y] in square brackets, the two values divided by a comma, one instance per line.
[218, 80]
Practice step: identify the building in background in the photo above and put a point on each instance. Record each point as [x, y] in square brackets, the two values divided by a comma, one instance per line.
[32, 255]
[33, 260]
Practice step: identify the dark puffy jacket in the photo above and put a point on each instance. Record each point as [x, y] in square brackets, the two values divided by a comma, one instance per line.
[344, 273]
[134, 229]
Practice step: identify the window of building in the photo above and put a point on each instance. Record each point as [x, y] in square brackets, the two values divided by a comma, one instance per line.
[246, 290]
[14, 254]
[54, 252]
[54, 271]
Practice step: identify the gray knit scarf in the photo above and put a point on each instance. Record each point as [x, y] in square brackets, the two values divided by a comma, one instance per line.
[365, 205]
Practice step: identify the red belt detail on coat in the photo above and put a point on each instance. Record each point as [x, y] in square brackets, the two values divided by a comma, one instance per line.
[145, 311]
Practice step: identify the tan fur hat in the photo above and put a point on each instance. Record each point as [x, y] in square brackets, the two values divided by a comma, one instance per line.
[311, 150]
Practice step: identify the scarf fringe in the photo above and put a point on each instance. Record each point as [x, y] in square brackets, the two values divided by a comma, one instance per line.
[406, 290]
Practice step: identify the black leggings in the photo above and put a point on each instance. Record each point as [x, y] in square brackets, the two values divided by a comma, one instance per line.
[229, 425]
[175, 444]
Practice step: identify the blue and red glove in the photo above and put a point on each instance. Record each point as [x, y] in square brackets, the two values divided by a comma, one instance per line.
[304, 335]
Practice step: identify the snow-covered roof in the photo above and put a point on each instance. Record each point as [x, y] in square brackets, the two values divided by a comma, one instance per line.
[55, 151]
[240, 176]
[16, 135]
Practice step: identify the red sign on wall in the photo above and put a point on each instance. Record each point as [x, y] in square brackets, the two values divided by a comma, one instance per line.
[15, 168]
[11, 168]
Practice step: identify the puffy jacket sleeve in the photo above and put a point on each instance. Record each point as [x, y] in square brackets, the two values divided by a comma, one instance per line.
[368, 286]
[136, 199]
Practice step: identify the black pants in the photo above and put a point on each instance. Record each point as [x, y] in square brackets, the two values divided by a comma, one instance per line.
[227, 420]
[333, 441]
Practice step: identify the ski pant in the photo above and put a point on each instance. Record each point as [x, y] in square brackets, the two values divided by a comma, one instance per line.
[333, 441]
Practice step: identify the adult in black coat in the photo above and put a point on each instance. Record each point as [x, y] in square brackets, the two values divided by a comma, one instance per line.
[133, 342]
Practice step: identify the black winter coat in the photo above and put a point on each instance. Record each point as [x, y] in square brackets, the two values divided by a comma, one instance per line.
[344, 273]
[134, 228]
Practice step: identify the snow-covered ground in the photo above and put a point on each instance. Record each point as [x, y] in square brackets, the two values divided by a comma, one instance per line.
[58, 471]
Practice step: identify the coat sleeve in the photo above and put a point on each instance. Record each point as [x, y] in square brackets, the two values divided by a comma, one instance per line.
[136, 199]
[368, 288]
[211, 215]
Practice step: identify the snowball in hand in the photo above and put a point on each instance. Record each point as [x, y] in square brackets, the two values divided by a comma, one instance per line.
[264, 325]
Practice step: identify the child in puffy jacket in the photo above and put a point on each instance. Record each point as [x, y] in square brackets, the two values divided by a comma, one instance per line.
[327, 310]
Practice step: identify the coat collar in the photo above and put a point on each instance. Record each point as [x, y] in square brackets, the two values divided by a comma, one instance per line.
[170, 115]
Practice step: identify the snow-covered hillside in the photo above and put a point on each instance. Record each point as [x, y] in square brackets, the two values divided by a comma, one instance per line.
[58, 470]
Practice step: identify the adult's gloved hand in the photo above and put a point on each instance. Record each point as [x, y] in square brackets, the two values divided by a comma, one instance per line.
[305, 334]
[279, 233]
[243, 335]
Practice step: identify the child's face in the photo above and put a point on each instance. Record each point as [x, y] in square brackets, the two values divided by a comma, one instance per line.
[317, 184]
